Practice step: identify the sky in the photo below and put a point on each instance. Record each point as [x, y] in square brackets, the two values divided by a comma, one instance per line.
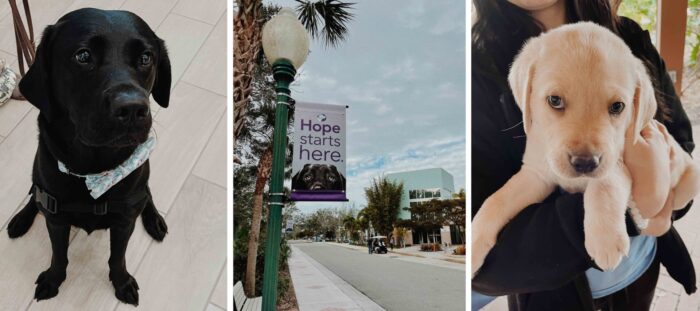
[401, 71]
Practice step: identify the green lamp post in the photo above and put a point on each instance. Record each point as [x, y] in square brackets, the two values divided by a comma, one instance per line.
[286, 45]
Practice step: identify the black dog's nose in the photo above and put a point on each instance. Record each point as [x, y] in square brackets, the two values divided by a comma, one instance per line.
[584, 163]
[129, 107]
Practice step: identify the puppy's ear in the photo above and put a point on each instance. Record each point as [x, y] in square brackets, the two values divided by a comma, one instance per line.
[161, 87]
[644, 100]
[520, 79]
[35, 86]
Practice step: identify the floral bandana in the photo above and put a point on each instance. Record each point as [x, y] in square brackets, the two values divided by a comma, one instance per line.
[8, 82]
[99, 183]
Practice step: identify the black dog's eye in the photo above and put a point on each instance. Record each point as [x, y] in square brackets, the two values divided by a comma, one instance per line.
[145, 59]
[82, 57]
[555, 102]
[617, 108]
[331, 178]
[307, 177]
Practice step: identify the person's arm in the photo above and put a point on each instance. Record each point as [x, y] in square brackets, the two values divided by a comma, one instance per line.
[677, 121]
[540, 249]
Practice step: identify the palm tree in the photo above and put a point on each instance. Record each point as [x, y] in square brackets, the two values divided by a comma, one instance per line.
[252, 82]
[349, 224]
[324, 19]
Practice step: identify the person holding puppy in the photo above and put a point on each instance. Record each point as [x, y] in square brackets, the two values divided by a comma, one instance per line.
[539, 259]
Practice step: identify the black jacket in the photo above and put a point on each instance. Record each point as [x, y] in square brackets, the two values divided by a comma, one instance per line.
[542, 249]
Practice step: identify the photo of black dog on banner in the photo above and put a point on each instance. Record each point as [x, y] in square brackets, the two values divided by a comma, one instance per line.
[318, 177]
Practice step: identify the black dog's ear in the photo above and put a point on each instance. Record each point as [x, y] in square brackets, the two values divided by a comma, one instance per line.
[161, 87]
[295, 180]
[35, 86]
[334, 169]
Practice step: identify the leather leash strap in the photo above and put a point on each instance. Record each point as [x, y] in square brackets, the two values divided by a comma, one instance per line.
[24, 38]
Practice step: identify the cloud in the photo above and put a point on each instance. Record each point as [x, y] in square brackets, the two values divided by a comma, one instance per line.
[449, 21]
[410, 16]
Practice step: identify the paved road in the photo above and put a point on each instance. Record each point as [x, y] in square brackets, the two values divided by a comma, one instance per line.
[393, 284]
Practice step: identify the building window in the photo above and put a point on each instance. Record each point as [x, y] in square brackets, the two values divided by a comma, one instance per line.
[424, 194]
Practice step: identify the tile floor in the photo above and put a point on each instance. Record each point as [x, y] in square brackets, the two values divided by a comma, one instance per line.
[188, 178]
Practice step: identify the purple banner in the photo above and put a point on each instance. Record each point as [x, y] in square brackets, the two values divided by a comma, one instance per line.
[318, 160]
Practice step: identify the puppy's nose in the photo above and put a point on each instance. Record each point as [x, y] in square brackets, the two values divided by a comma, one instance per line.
[129, 107]
[584, 163]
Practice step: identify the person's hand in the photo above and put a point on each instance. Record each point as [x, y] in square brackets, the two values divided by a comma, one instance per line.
[649, 163]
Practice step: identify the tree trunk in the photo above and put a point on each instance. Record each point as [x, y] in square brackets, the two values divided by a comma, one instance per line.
[246, 46]
[262, 175]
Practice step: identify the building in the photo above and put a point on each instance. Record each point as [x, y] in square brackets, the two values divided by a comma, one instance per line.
[420, 186]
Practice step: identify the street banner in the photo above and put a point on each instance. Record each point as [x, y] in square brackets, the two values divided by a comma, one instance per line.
[318, 159]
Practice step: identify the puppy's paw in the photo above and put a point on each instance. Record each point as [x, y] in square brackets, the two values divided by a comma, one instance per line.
[480, 248]
[47, 285]
[128, 291]
[607, 251]
[20, 224]
[155, 225]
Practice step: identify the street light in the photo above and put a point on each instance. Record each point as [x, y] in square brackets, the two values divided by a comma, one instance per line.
[286, 45]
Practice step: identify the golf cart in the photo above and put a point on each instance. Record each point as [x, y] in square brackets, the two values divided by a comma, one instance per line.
[379, 244]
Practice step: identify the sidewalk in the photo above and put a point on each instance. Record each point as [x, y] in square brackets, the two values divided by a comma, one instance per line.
[317, 288]
[413, 254]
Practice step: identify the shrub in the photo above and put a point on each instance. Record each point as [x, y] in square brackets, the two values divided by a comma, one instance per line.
[430, 247]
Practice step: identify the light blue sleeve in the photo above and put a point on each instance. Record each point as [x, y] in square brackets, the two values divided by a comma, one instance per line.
[480, 300]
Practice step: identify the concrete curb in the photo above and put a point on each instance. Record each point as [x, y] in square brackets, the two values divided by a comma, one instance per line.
[450, 259]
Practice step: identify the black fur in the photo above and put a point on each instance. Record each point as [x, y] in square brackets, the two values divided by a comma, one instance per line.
[81, 124]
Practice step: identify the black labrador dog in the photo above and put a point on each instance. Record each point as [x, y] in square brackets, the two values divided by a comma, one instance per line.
[318, 177]
[91, 79]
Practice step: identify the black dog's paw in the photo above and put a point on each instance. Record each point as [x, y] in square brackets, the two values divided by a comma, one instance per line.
[155, 225]
[47, 285]
[20, 224]
[128, 292]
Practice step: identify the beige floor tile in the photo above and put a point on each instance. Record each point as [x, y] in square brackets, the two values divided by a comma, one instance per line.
[212, 307]
[212, 163]
[98, 4]
[5, 9]
[11, 114]
[218, 297]
[208, 68]
[183, 37]
[16, 157]
[190, 267]
[151, 11]
[87, 285]
[21, 262]
[208, 11]
[183, 131]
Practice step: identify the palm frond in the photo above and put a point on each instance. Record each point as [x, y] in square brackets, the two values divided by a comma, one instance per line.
[326, 19]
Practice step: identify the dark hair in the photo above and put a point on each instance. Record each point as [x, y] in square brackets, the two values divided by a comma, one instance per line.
[501, 29]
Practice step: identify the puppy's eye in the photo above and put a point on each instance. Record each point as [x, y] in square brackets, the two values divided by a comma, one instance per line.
[617, 108]
[82, 57]
[555, 102]
[331, 178]
[307, 178]
[145, 59]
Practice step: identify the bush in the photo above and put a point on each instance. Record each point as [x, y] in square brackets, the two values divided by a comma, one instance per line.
[460, 250]
[430, 247]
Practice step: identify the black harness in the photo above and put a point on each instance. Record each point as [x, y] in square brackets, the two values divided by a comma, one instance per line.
[49, 204]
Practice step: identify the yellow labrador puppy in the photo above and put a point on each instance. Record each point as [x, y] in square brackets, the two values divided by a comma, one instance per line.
[580, 90]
